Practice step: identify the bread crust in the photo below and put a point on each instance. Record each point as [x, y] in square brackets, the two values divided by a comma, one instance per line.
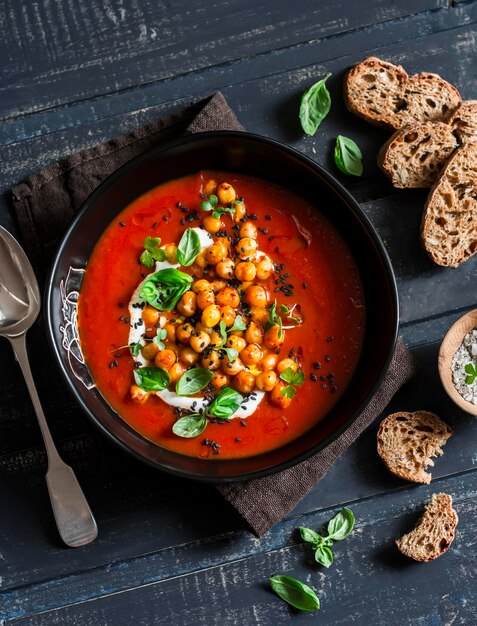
[464, 121]
[407, 441]
[385, 95]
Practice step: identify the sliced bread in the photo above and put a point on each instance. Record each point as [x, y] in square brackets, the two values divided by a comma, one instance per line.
[385, 95]
[407, 441]
[463, 121]
[414, 156]
[433, 533]
[449, 224]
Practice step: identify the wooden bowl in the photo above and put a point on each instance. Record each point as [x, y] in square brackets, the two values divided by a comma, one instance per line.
[450, 345]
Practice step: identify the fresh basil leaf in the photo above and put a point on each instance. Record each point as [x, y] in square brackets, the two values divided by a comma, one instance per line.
[135, 348]
[295, 593]
[193, 381]
[190, 426]
[288, 391]
[348, 156]
[315, 106]
[238, 324]
[324, 556]
[152, 378]
[188, 248]
[341, 525]
[288, 375]
[210, 203]
[310, 536]
[225, 403]
[164, 288]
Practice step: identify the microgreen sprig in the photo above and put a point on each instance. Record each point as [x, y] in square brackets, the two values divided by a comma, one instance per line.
[275, 320]
[471, 371]
[135, 348]
[339, 527]
[161, 334]
[292, 378]
[289, 313]
[238, 324]
[152, 252]
[211, 205]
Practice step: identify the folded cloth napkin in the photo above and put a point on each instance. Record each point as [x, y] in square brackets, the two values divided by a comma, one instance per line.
[45, 204]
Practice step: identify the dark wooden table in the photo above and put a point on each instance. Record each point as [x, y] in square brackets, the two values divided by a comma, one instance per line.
[170, 551]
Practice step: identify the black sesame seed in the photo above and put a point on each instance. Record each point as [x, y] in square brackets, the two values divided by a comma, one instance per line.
[237, 439]
[333, 389]
[277, 249]
[323, 385]
[154, 225]
[243, 423]
[305, 285]
[314, 377]
[122, 223]
[268, 217]
[111, 365]
[317, 365]
[121, 305]
[329, 339]
[182, 222]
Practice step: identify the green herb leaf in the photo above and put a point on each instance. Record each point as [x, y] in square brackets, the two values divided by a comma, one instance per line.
[193, 381]
[310, 536]
[315, 106]
[210, 203]
[348, 156]
[288, 391]
[135, 348]
[190, 426]
[225, 403]
[324, 556]
[341, 525]
[152, 252]
[223, 332]
[289, 313]
[294, 378]
[188, 248]
[274, 319]
[164, 288]
[220, 210]
[161, 334]
[471, 370]
[152, 378]
[295, 593]
[231, 353]
[238, 324]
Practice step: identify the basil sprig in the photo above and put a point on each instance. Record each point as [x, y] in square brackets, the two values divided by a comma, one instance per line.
[225, 404]
[188, 248]
[315, 106]
[211, 205]
[338, 529]
[193, 381]
[471, 371]
[190, 426]
[152, 378]
[152, 252]
[295, 593]
[164, 288]
[348, 157]
[292, 378]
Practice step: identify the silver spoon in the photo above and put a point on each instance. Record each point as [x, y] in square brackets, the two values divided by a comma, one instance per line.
[19, 308]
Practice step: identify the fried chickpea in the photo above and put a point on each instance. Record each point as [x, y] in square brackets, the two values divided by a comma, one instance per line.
[149, 351]
[212, 225]
[251, 354]
[201, 259]
[216, 253]
[176, 371]
[276, 396]
[264, 269]
[205, 299]
[138, 395]
[226, 193]
[228, 295]
[244, 382]
[245, 271]
[240, 211]
[210, 272]
[188, 356]
[236, 342]
[225, 269]
[219, 380]
[285, 364]
[218, 285]
[171, 332]
[187, 305]
[210, 187]
[150, 316]
[200, 341]
[232, 366]
[184, 333]
[248, 229]
[246, 248]
[256, 295]
[227, 315]
[269, 361]
[266, 381]
[200, 326]
[165, 359]
[201, 285]
[171, 251]
[211, 361]
[274, 337]
[254, 333]
[215, 338]
[259, 315]
[211, 316]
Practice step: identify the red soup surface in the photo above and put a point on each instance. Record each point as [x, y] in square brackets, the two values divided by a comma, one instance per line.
[308, 266]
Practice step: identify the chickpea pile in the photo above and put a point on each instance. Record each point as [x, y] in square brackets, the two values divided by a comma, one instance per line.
[230, 281]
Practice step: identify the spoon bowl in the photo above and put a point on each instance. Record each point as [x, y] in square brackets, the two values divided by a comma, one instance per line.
[19, 307]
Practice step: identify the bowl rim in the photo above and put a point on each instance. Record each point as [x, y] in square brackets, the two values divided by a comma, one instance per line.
[338, 188]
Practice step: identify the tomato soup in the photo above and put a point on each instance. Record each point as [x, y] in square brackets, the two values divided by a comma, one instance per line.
[221, 316]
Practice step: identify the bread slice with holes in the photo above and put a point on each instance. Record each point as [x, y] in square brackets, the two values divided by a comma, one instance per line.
[449, 223]
[414, 156]
[463, 121]
[407, 441]
[385, 95]
[434, 532]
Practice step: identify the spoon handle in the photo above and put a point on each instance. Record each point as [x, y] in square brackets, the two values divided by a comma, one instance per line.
[74, 519]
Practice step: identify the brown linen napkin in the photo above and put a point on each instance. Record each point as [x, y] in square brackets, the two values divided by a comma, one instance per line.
[45, 204]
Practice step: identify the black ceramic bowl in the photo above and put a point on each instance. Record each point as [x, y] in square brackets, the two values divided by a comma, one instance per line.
[263, 158]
